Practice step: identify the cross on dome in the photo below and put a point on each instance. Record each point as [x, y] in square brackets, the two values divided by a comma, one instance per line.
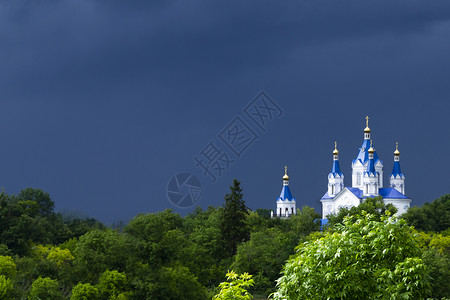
[285, 177]
[367, 129]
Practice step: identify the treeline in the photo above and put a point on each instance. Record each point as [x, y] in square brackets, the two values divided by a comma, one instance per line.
[154, 256]
[44, 255]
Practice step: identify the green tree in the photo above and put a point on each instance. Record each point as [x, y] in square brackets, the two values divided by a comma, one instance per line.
[304, 222]
[45, 288]
[6, 288]
[374, 206]
[264, 254]
[7, 267]
[205, 252]
[112, 284]
[29, 217]
[267, 250]
[434, 216]
[438, 264]
[101, 250]
[153, 234]
[233, 226]
[364, 258]
[436, 257]
[177, 283]
[84, 291]
[54, 254]
[45, 204]
[235, 288]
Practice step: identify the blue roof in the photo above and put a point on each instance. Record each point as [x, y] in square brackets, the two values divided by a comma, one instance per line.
[326, 196]
[371, 167]
[396, 170]
[357, 192]
[286, 194]
[336, 169]
[386, 193]
[363, 155]
[391, 193]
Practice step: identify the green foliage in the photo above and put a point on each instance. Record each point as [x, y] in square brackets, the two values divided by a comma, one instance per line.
[264, 254]
[155, 234]
[45, 289]
[101, 250]
[29, 218]
[6, 288]
[54, 254]
[233, 225]
[363, 259]
[436, 257]
[438, 264]
[78, 227]
[178, 283]
[434, 216]
[4, 250]
[305, 221]
[7, 267]
[205, 254]
[268, 248]
[43, 205]
[84, 291]
[112, 284]
[165, 256]
[235, 287]
[374, 206]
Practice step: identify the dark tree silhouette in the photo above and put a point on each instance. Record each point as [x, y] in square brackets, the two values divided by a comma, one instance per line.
[233, 223]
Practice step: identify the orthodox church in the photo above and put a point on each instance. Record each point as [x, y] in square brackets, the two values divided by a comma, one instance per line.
[367, 181]
[286, 202]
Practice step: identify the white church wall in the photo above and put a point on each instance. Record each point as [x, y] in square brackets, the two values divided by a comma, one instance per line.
[402, 205]
[285, 208]
[345, 199]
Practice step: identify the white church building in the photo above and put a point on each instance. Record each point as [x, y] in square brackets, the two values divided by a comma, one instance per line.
[367, 181]
[286, 205]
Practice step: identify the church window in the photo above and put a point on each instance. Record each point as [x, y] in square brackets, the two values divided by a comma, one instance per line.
[358, 178]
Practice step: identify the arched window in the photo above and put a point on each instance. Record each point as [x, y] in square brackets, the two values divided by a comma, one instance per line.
[287, 211]
[358, 178]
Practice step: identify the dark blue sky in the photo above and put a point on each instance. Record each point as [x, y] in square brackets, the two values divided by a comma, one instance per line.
[102, 102]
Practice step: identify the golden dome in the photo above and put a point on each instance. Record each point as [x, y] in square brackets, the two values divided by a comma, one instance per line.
[371, 150]
[335, 151]
[367, 129]
[285, 177]
[396, 152]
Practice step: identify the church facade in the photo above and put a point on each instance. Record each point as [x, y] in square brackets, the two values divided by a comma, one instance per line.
[286, 204]
[367, 181]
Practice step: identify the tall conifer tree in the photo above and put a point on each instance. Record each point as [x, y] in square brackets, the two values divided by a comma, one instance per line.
[233, 225]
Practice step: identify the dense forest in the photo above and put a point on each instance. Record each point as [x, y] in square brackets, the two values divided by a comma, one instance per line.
[226, 252]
